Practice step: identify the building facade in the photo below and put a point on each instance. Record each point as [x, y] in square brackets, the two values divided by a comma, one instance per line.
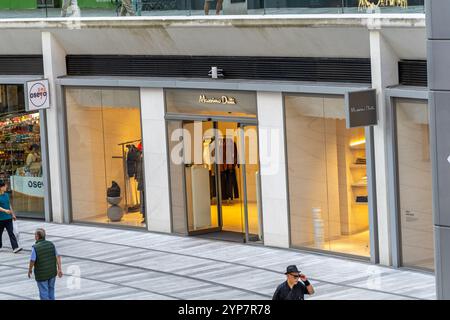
[261, 154]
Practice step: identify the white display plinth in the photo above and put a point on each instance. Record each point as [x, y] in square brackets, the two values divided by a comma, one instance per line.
[201, 202]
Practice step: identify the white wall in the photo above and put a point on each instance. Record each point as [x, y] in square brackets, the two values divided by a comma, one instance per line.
[156, 160]
[54, 57]
[273, 169]
[384, 62]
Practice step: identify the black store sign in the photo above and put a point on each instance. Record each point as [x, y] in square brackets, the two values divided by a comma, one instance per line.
[361, 108]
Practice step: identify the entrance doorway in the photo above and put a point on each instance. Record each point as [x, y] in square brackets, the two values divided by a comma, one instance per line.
[221, 180]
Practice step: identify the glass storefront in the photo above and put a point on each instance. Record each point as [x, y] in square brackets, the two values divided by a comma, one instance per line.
[327, 173]
[20, 153]
[214, 167]
[414, 183]
[106, 156]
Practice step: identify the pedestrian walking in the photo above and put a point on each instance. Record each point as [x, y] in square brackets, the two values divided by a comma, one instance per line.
[47, 265]
[127, 8]
[219, 6]
[76, 12]
[7, 217]
[292, 289]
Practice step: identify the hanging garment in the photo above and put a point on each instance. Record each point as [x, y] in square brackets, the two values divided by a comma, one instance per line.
[233, 183]
[140, 172]
[132, 159]
[212, 185]
[228, 154]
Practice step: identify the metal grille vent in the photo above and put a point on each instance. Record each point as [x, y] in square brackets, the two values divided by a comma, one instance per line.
[413, 73]
[260, 68]
[21, 65]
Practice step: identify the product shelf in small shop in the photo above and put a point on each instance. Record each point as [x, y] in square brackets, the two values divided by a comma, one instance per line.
[17, 134]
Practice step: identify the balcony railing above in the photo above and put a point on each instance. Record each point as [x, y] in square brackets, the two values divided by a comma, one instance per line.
[111, 8]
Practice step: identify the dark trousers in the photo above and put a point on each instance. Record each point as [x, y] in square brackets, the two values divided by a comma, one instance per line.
[229, 184]
[142, 201]
[8, 224]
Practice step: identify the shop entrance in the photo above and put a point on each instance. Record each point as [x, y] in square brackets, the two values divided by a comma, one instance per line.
[221, 174]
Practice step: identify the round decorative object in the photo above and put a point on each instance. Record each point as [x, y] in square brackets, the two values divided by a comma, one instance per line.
[115, 213]
[114, 200]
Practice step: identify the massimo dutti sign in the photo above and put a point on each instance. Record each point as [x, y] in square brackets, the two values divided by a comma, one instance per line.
[361, 108]
[222, 100]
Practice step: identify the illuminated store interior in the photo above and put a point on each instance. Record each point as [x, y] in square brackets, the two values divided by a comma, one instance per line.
[327, 170]
[105, 156]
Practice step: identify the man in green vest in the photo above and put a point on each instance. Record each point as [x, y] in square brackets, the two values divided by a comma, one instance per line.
[47, 265]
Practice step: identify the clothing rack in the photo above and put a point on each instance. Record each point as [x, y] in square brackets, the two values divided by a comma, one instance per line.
[124, 164]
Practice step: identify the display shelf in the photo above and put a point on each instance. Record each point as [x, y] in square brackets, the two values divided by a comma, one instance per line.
[359, 185]
[358, 147]
[358, 166]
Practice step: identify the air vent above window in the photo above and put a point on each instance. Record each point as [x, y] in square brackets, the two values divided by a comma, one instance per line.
[258, 68]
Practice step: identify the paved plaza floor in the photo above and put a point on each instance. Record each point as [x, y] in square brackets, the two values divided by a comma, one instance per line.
[106, 263]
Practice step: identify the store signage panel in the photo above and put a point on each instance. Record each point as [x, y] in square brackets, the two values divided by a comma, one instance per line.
[211, 102]
[222, 100]
[361, 108]
[38, 95]
[30, 186]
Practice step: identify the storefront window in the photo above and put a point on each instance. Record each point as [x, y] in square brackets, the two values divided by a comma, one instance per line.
[106, 156]
[20, 153]
[327, 176]
[415, 183]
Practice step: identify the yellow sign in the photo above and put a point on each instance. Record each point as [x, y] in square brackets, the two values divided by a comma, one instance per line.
[373, 4]
[221, 100]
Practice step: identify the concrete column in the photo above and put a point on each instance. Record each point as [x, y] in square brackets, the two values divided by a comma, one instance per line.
[438, 27]
[154, 136]
[54, 57]
[273, 169]
[384, 62]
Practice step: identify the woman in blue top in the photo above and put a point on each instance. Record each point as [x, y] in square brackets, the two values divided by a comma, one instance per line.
[6, 218]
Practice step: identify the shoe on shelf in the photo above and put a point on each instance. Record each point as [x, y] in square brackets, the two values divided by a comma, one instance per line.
[17, 250]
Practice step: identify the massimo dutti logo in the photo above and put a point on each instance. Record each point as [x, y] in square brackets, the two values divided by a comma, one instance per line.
[362, 108]
[222, 100]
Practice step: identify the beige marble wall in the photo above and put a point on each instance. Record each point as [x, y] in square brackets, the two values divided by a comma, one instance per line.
[415, 183]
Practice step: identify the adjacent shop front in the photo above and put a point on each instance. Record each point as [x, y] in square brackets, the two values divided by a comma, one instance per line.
[22, 163]
[411, 172]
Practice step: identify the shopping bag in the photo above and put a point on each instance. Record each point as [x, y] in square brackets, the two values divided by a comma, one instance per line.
[16, 230]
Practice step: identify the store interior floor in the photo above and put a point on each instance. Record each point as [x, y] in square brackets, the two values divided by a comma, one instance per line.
[233, 218]
[356, 244]
[132, 219]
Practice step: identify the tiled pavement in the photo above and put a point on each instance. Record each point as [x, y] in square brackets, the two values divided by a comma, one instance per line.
[104, 263]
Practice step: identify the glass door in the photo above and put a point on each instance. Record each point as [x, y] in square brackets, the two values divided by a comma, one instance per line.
[200, 170]
[250, 177]
[230, 181]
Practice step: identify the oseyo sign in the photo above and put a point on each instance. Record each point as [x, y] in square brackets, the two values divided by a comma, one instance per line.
[38, 95]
